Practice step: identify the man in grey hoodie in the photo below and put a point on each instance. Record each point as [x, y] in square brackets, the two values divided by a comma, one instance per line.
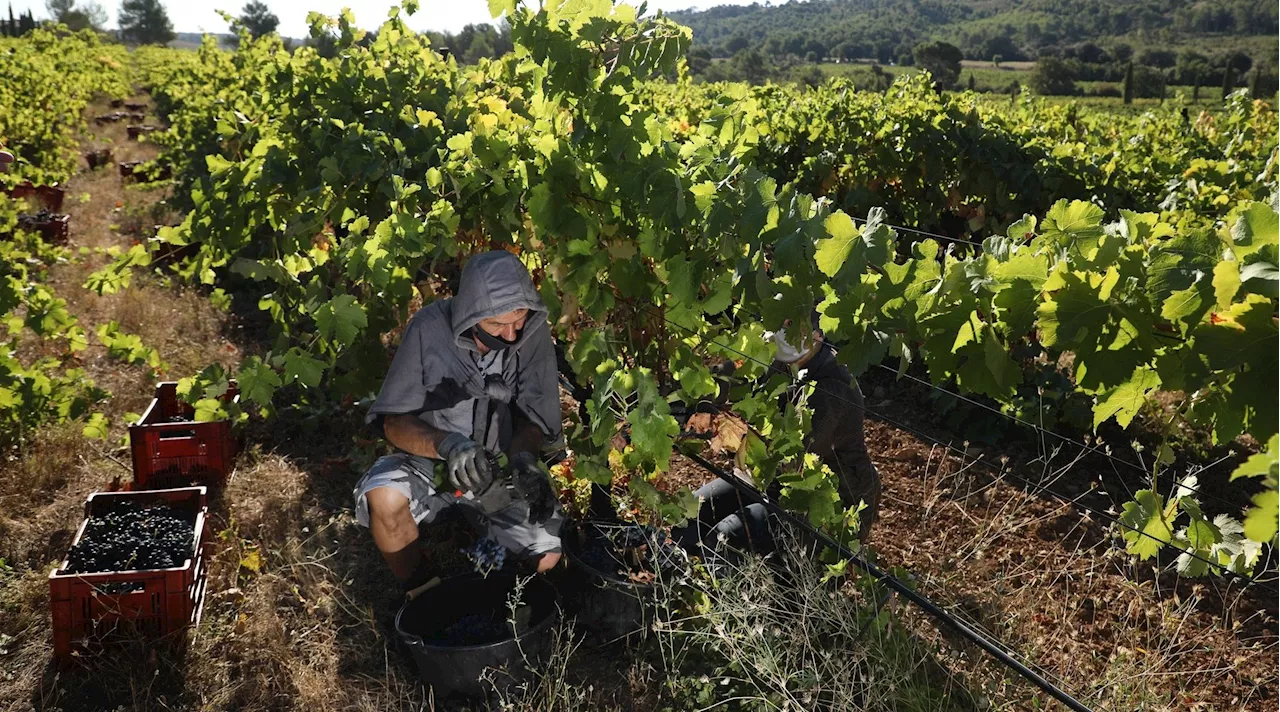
[474, 375]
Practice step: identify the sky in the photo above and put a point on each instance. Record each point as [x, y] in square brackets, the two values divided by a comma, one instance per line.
[446, 15]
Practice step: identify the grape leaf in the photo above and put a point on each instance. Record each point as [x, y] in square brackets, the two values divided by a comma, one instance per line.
[1257, 227]
[1234, 552]
[300, 367]
[1076, 225]
[1265, 464]
[1185, 261]
[1148, 530]
[1243, 339]
[96, 427]
[652, 427]
[847, 250]
[1261, 277]
[1260, 523]
[1126, 400]
[1226, 282]
[258, 381]
[1110, 337]
[208, 409]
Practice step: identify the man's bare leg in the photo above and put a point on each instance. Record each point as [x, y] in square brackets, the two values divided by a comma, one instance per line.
[546, 562]
[396, 534]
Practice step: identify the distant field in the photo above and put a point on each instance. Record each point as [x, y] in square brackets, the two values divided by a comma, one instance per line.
[991, 79]
[986, 76]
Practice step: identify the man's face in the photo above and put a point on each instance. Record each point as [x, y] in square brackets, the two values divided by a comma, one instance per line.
[504, 326]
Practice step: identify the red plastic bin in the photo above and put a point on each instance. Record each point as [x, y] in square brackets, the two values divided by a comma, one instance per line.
[50, 197]
[152, 603]
[54, 230]
[178, 454]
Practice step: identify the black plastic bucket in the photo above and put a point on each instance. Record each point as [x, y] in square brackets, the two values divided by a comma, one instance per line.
[454, 669]
[607, 603]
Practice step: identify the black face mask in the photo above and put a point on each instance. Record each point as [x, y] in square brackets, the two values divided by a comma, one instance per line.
[496, 343]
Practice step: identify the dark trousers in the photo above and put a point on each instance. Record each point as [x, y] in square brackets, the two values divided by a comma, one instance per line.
[726, 516]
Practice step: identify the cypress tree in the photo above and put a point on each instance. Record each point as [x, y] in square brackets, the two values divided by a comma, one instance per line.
[1195, 88]
[1228, 82]
[1128, 84]
[972, 84]
[1255, 83]
[12, 28]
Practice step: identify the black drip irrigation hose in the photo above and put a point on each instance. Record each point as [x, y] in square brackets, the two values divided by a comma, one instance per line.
[935, 611]
[920, 601]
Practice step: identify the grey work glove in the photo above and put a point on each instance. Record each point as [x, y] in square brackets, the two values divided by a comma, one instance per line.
[466, 462]
[533, 484]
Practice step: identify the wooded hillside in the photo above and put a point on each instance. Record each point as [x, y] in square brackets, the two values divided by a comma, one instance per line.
[1010, 29]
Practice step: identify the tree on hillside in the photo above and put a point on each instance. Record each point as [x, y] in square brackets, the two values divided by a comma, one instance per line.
[1052, 77]
[1089, 53]
[751, 66]
[699, 60]
[1161, 58]
[58, 9]
[145, 22]
[942, 60]
[258, 19]
[1192, 67]
[1147, 82]
[89, 16]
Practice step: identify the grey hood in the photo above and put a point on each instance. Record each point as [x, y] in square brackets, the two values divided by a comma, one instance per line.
[494, 283]
[435, 372]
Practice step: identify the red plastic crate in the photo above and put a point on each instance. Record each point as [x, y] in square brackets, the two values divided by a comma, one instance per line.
[130, 170]
[178, 454]
[136, 130]
[50, 197]
[152, 603]
[56, 230]
[100, 157]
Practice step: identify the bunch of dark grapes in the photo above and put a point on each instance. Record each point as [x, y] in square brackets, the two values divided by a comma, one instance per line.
[475, 629]
[133, 539]
[30, 220]
[486, 555]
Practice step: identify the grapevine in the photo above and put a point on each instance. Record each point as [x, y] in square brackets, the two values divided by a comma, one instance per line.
[671, 225]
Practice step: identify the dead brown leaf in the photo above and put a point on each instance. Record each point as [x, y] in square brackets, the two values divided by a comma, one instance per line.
[729, 432]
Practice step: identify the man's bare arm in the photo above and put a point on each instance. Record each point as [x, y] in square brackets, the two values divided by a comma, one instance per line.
[410, 434]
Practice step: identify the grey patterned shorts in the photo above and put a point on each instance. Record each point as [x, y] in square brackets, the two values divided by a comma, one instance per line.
[414, 477]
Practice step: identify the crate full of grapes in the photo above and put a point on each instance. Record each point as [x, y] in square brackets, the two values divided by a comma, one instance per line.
[171, 448]
[136, 568]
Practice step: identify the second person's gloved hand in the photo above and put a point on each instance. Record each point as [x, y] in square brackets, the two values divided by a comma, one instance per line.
[533, 485]
[466, 462]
